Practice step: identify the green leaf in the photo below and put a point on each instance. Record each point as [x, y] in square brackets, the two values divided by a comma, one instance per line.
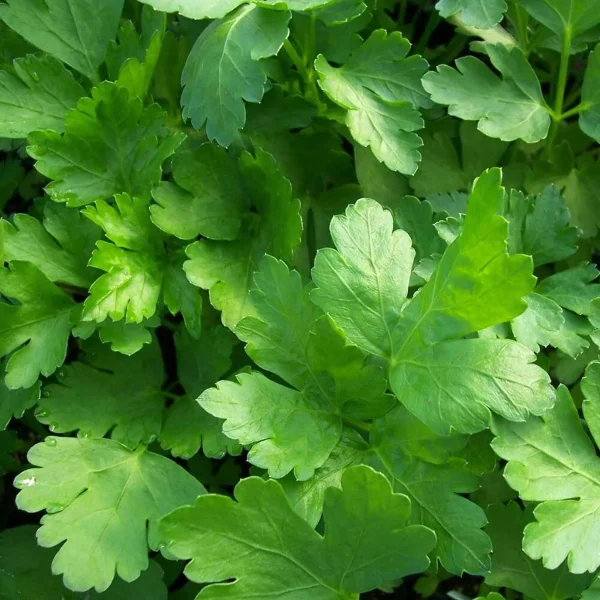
[77, 33]
[540, 324]
[512, 568]
[566, 18]
[552, 461]
[112, 144]
[60, 247]
[208, 199]
[364, 283]
[381, 90]
[449, 307]
[137, 268]
[200, 364]
[195, 9]
[476, 13]
[35, 330]
[215, 97]
[434, 491]
[344, 562]
[127, 338]
[104, 392]
[444, 169]
[416, 218]
[539, 226]
[104, 502]
[509, 108]
[289, 429]
[458, 384]
[291, 339]
[26, 574]
[226, 268]
[572, 288]
[307, 497]
[37, 97]
[13, 403]
[589, 120]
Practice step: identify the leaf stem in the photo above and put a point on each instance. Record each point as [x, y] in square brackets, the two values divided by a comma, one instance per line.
[432, 22]
[583, 106]
[295, 58]
[561, 85]
[172, 396]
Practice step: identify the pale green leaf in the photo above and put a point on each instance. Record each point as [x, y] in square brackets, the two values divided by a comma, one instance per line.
[552, 461]
[104, 503]
[513, 569]
[381, 90]
[509, 108]
[458, 384]
[364, 283]
[482, 14]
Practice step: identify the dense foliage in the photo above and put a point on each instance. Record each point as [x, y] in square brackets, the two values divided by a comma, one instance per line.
[291, 308]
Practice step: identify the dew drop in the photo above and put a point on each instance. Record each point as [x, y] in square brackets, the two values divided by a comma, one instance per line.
[54, 507]
[51, 441]
[42, 413]
[35, 76]
[28, 481]
[52, 428]
[46, 394]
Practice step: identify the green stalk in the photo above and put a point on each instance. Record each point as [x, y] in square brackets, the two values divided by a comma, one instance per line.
[432, 22]
[561, 85]
[296, 59]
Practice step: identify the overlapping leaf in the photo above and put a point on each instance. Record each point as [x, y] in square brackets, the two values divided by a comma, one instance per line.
[226, 268]
[105, 392]
[76, 33]
[112, 144]
[551, 460]
[273, 538]
[446, 382]
[294, 428]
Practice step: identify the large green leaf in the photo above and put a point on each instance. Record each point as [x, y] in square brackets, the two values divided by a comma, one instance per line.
[76, 32]
[104, 502]
[509, 108]
[260, 534]
[224, 69]
[363, 284]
